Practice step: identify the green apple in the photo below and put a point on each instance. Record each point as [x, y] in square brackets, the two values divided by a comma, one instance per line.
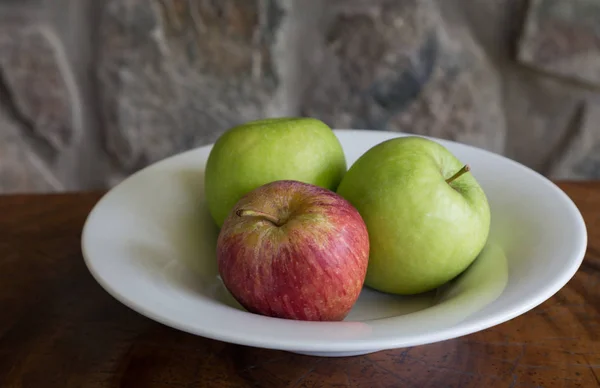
[427, 217]
[250, 155]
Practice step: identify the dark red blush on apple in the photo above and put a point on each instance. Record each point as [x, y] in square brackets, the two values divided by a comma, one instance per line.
[301, 253]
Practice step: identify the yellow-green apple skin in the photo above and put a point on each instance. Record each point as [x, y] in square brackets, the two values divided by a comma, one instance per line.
[423, 231]
[250, 155]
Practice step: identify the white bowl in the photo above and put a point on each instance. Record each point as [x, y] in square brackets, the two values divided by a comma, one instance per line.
[150, 243]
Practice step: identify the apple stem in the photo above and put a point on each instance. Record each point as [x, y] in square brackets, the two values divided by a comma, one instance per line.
[256, 213]
[463, 170]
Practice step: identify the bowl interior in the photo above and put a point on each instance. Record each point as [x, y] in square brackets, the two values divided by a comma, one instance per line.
[151, 243]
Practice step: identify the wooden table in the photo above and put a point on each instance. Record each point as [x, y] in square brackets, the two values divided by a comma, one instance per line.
[58, 328]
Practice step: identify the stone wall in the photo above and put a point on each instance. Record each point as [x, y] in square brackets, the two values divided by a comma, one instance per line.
[91, 91]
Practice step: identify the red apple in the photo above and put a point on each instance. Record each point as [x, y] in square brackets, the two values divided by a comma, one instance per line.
[294, 250]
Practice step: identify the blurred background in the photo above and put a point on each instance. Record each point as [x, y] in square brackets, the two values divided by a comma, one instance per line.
[91, 91]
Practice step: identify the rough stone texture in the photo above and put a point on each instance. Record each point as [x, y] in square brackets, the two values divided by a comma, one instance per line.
[581, 159]
[38, 104]
[147, 79]
[175, 74]
[542, 112]
[494, 24]
[21, 169]
[462, 101]
[542, 116]
[563, 38]
[397, 65]
[35, 74]
[74, 22]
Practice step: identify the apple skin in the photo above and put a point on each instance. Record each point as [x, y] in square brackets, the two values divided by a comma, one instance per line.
[423, 231]
[311, 267]
[258, 152]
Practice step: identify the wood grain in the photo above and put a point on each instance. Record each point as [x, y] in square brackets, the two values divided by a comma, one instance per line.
[58, 328]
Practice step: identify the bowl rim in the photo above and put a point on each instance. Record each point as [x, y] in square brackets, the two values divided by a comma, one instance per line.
[363, 344]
